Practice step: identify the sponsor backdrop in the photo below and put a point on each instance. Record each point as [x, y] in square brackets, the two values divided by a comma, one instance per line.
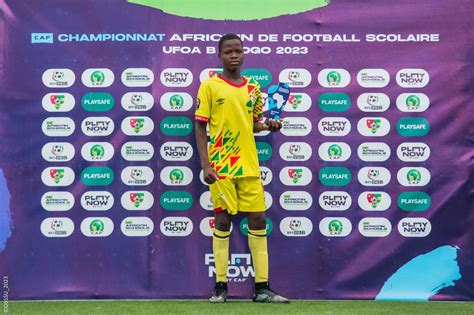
[368, 185]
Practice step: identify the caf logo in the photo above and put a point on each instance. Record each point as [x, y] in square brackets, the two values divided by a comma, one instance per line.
[96, 226]
[97, 152]
[333, 78]
[334, 152]
[335, 227]
[176, 101]
[414, 176]
[97, 78]
[413, 102]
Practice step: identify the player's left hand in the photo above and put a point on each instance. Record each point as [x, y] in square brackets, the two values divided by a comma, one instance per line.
[273, 125]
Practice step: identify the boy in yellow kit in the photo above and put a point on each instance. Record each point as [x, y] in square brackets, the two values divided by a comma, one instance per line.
[232, 106]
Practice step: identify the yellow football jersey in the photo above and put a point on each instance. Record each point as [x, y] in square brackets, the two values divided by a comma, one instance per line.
[231, 110]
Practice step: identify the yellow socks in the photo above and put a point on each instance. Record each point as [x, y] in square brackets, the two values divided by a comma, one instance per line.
[220, 247]
[258, 248]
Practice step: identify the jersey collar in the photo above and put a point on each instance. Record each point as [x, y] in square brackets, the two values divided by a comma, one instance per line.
[233, 84]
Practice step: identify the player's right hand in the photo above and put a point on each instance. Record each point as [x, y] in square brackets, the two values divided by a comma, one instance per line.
[209, 174]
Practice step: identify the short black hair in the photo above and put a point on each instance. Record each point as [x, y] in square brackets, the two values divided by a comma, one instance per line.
[227, 37]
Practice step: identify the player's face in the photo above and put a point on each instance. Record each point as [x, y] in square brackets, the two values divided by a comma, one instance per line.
[232, 54]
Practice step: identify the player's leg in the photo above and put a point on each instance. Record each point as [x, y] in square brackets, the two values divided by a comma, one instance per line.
[224, 198]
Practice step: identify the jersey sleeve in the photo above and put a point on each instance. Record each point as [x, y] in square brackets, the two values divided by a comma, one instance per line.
[258, 104]
[203, 103]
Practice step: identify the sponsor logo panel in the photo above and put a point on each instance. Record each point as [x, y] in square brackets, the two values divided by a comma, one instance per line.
[137, 226]
[334, 102]
[137, 101]
[296, 200]
[137, 200]
[209, 73]
[296, 78]
[373, 78]
[373, 151]
[374, 201]
[374, 176]
[334, 151]
[334, 126]
[414, 227]
[57, 201]
[413, 152]
[58, 78]
[176, 77]
[205, 201]
[244, 226]
[264, 151]
[57, 176]
[97, 227]
[296, 226]
[413, 127]
[97, 176]
[176, 151]
[334, 78]
[414, 201]
[174, 200]
[373, 102]
[335, 176]
[97, 151]
[373, 126]
[97, 102]
[413, 102]
[57, 227]
[207, 226]
[335, 227]
[412, 78]
[137, 175]
[137, 151]
[97, 126]
[295, 151]
[58, 102]
[97, 200]
[295, 176]
[176, 102]
[58, 126]
[297, 102]
[413, 176]
[296, 126]
[239, 270]
[266, 175]
[97, 77]
[176, 126]
[176, 176]
[375, 227]
[176, 226]
[137, 126]
[137, 77]
[262, 76]
[335, 200]
[58, 151]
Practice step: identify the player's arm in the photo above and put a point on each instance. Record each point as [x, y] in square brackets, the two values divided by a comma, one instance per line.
[258, 125]
[270, 124]
[210, 175]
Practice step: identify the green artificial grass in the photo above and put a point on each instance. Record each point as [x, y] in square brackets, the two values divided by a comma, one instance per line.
[238, 307]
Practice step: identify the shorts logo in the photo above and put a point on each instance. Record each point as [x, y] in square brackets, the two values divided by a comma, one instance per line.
[334, 78]
[335, 227]
[137, 200]
[297, 78]
[97, 78]
[58, 78]
[137, 101]
[374, 201]
[296, 200]
[57, 227]
[373, 102]
[296, 226]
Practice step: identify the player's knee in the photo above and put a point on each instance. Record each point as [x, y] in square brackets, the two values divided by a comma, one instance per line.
[257, 221]
[222, 226]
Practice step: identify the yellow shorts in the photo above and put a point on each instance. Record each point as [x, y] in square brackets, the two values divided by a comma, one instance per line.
[243, 194]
